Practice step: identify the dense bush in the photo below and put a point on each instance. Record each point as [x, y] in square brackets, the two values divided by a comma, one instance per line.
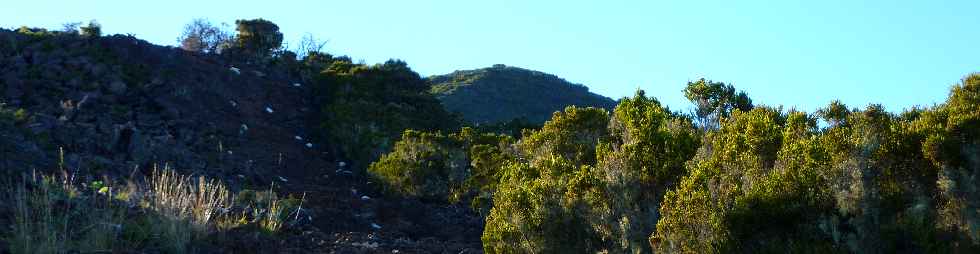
[871, 181]
[588, 182]
[644, 156]
[764, 180]
[571, 134]
[545, 197]
[257, 37]
[439, 167]
[952, 143]
[544, 208]
[514, 128]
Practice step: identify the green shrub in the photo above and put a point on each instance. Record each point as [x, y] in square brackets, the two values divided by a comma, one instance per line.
[571, 134]
[545, 199]
[93, 29]
[438, 167]
[695, 216]
[543, 208]
[643, 157]
[257, 37]
[424, 165]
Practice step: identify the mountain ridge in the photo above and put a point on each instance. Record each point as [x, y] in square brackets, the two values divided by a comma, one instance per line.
[501, 93]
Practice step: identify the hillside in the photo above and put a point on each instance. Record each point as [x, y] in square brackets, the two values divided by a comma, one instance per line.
[106, 108]
[502, 93]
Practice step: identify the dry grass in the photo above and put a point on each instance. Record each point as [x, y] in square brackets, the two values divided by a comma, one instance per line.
[186, 199]
[167, 212]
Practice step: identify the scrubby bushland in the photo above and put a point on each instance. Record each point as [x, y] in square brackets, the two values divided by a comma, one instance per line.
[590, 179]
[575, 184]
[870, 182]
[763, 180]
[531, 211]
[366, 108]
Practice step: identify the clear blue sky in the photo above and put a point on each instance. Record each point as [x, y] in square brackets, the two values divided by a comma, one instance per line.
[803, 54]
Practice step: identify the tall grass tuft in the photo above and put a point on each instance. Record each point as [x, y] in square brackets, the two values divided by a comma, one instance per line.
[186, 199]
[167, 212]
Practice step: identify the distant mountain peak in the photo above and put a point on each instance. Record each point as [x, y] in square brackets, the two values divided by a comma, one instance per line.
[502, 93]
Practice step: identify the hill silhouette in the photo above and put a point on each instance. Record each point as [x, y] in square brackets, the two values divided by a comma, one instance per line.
[503, 93]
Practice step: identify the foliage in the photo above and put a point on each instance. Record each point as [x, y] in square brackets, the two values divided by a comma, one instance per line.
[952, 143]
[644, 156]
[871, 181]
[543, 208]
[435, 167]
[588, 182]
[257, 37]
[93, 29]
[34, 31]
[740, 154]
[544, 197]
[571, 134]
[71, 27]
[514, 128]
[714, 100]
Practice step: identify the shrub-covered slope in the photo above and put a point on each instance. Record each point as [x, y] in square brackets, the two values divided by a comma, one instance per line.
[502, 93]
[643, 179]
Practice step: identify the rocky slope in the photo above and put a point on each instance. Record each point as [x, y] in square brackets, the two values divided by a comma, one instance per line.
[502, 93]
[114, 105]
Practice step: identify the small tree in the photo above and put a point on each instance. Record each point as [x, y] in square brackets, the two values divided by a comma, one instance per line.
[93, 29]
[309, 45]
[257, 37]
[715, 100]
[201, 36]
[71, 27]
